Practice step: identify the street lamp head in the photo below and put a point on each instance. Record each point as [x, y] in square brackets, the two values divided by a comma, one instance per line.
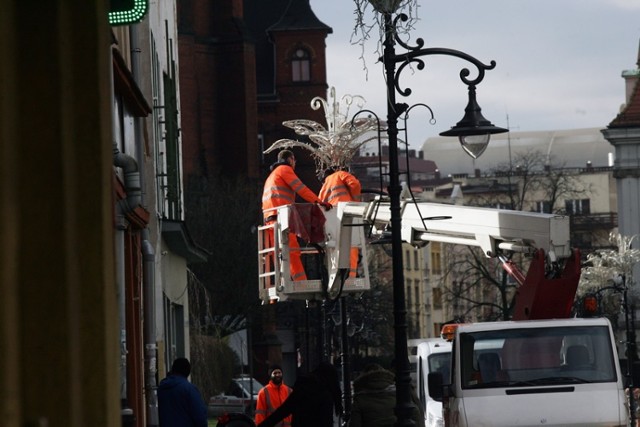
[385, 6]
[473, 131]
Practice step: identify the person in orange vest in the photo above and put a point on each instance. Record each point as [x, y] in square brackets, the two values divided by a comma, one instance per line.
[315, 398]
[271, 396]
[338, 185]
[280, 189]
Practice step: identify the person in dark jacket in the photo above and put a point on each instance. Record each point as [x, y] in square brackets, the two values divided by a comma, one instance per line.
[313, 401]
[374, 399]
[179, 402]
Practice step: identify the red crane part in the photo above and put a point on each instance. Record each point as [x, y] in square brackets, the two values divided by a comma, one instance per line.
[542, 297]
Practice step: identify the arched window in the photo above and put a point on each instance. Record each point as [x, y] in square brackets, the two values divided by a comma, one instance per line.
[301, 65]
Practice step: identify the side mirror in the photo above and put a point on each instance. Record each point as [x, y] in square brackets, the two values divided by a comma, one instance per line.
[436, 386]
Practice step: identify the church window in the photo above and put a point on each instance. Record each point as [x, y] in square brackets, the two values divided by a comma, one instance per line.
[301, 65]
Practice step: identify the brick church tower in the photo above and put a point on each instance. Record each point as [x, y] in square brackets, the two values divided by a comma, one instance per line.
[290, 72]
[218, 90]
[245, 66]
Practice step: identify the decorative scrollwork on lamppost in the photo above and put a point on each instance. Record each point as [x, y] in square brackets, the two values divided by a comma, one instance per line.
[473, 131]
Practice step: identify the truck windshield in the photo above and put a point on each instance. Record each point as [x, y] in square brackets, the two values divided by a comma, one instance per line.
[536, 357]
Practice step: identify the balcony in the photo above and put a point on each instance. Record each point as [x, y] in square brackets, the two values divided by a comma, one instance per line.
[599, 221]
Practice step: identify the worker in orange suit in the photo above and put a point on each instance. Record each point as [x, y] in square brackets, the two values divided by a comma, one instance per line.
[271, 396]
[338, 185]
[280, 189]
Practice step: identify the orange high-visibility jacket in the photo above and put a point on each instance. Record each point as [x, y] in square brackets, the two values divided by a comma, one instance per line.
[281, 188]
[340, 186]
[270, 397]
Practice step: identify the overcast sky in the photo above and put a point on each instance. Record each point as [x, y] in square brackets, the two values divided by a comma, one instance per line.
[559, 62]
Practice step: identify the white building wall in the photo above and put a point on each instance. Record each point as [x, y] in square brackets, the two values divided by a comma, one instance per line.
[174, 287]
[154, 41]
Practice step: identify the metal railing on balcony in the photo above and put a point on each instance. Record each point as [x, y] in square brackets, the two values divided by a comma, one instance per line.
[607, 220]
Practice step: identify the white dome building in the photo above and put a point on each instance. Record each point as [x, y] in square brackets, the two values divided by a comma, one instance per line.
[568, 148]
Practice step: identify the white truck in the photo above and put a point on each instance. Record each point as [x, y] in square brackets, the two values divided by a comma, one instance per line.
[537, 384]
[432, 355]
[560, 372]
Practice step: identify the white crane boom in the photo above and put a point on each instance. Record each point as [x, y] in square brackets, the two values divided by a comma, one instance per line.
[353, 224]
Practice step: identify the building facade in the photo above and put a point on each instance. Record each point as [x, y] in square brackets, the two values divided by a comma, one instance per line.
[84, 333]
[153, 243]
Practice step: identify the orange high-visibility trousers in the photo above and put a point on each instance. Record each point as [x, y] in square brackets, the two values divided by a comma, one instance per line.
[295, 262]
[353, 261]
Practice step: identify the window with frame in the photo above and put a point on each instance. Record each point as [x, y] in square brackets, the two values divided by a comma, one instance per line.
[436, 294]
[436, 260]
[542, 207]
[578, 206]
[301, 65]
[500, 205]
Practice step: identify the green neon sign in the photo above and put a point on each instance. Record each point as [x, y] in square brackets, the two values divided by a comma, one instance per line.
[123, 12]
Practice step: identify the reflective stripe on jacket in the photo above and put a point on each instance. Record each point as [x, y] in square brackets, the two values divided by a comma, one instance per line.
[340, 186]
[281, 188]
[270, 397]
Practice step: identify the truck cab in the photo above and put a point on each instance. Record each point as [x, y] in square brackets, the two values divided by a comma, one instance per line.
[537, 372]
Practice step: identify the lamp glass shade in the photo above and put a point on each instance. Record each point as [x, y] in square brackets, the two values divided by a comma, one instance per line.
[474, 145]
[473, 131]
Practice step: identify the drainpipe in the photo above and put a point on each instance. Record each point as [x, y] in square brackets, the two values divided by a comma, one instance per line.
[150, 347]
[121, 226]
[134, 182]
[149, 260]
[131, 179]
[132, 186]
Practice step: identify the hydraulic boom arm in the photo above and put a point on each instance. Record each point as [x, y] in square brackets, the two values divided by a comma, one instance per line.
[547, 290]
[493, 230]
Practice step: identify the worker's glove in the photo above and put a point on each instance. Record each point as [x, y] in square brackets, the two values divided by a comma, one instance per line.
[325, 205]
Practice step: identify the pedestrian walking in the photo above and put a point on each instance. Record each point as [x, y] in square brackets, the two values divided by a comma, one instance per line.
[179, 402]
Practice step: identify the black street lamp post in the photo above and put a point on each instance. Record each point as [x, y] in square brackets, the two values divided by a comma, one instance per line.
[473, 131]
[620, 285]
[630, 345]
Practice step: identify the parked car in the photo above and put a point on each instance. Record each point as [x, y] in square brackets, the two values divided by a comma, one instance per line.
[239, 397]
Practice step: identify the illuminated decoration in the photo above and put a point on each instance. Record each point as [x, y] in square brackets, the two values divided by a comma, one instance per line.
[335, 145]
[616, 266]
[605, 264]
[125, 12]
